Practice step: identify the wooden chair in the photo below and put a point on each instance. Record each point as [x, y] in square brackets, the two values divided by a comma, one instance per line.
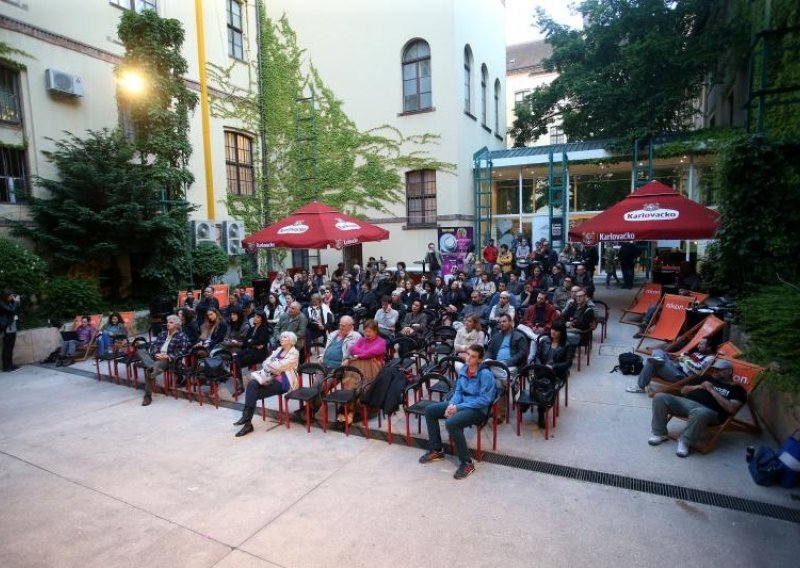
[648, 295]
[748, 375]
[699, 297]
[689, 339]
[669, 322]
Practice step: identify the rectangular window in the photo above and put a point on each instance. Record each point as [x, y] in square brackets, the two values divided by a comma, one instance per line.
[421, 197]
[519, 95]
[138, 5]
[235, 37]
[239, 163]
[13, 175]
[10, 110]
[557, 136]
[467, 88]
[126, 122]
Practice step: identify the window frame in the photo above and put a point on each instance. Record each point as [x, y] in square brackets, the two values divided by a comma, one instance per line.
[468, 79]
[557, 135]
[497, 93]
[417, 63]
[135, 5]
[484, 103]
[423, 182]
[243, 186]
[8, 194]
[14, 99]
[235, 32]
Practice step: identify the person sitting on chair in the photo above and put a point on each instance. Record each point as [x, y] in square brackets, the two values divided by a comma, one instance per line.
[708, 402]
[555, 353]
[212, 331]
[387, 317]
[170, 345]
[474, 394]
[673, 368]
[254, 346]
[470, 334]
[85, 333]
[508, 345]
[277, 376]
[108, 333]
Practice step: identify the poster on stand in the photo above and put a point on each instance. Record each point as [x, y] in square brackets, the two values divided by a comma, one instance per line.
[453, 244]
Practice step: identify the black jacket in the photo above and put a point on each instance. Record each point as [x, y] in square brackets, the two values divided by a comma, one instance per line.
[518, 348]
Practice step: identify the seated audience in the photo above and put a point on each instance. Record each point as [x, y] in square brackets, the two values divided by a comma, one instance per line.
[170, 345]
[709, 401]
[674, 368]
[85, 331]
[474, 394]
[277, 376]
[114, 328]
[470, 334]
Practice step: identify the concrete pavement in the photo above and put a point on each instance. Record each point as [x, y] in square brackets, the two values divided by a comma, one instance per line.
[90, 478]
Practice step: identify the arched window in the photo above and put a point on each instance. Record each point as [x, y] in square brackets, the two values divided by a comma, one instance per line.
[484, 81]
[417, 76]
[467, 79]
[497, 106]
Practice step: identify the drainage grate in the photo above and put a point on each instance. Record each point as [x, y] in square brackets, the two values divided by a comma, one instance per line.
[688, 494]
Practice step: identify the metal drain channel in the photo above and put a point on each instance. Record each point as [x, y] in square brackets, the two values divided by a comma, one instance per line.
[668, 490]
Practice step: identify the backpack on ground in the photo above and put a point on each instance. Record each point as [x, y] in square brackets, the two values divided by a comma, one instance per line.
[629, 364]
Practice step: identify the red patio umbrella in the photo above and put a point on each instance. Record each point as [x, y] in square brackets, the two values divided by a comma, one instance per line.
[653, 212]
[316, 226]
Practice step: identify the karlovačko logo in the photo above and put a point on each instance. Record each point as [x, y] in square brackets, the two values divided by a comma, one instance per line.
[651, 212]
[343, 225]
[627, 236]
[296, 228]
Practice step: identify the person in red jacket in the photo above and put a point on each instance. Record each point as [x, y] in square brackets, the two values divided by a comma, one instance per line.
[538, 319]
[490, 254]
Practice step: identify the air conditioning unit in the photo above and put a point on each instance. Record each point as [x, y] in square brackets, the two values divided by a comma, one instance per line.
[64, 83]
[232, 235]
[203, 231]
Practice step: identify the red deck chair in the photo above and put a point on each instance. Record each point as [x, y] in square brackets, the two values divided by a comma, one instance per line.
[698, 296]
[748, 375]
[648, 295]
[669, 322]
[688, 340]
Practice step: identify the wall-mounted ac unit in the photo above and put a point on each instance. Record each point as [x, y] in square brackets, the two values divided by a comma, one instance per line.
[232, 235]
[203, 231]
[64, 83]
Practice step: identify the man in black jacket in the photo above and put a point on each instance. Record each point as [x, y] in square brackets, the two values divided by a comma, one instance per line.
[508, 345]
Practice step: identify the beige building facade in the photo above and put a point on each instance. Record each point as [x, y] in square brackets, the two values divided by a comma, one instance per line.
[422, 66]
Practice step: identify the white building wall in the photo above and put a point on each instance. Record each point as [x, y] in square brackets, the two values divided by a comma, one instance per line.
[357, 46]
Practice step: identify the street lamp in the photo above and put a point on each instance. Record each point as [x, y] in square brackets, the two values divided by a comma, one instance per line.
[132, 82]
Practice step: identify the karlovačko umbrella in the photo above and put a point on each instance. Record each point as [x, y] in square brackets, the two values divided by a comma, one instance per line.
[316, 226]
[653, 212]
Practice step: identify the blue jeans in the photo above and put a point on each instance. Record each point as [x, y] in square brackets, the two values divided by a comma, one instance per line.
[104, 341]
[669, 370]
[698, 415]
[455, 427]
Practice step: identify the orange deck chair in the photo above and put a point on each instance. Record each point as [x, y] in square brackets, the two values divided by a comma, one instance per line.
[748, 375]
[688, 340]
[729, 350]
[95, 320]
[669, 321]
[648, 295]
[221, 292]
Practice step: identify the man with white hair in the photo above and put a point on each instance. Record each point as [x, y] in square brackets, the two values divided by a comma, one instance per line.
[170, 345]
[706, 402]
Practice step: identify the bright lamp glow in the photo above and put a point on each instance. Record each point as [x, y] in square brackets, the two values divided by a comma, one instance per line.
[132, 82]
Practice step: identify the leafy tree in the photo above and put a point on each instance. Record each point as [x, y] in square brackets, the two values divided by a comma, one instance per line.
[356, 170]
[208, 262]
[103, 204]
[21, 270]
[633, 71]
[160, 119]
[759, 197]
[66, 297]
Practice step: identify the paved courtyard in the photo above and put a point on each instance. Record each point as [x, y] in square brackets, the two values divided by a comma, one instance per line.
[90, 478]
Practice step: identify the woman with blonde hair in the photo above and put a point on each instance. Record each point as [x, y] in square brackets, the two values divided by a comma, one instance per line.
[278, 375]
[470, 334]
[213, 330]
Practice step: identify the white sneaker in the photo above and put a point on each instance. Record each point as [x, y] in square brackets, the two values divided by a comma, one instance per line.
[634, 388]
[655, 440]
[683, 448]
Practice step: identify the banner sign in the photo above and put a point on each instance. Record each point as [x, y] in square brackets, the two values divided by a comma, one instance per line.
[453, 244]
